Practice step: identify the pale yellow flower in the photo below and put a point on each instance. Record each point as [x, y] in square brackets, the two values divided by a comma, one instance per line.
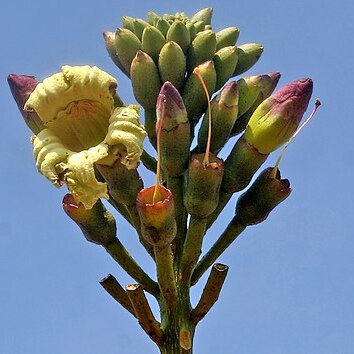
[83, 127]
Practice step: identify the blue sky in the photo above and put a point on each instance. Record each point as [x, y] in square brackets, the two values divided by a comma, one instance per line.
[290, 287]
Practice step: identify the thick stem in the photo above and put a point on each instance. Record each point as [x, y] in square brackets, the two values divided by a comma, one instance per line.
[144, 314]
[166, 276]
[178, 332]
[224, 241]
[113, 288]
[119, 253]
[192, 248]
[210, 293]
[175, 184]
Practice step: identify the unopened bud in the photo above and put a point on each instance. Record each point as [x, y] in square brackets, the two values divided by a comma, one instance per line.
[277, 118]
[224, 108]
[175, 130]
[21, 87]
[265, 84]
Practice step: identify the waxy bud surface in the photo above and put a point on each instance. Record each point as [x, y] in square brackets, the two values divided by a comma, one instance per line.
[277, 118]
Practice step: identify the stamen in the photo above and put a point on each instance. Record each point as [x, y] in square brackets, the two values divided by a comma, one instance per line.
[158, 138]
[275, 169]
[207, 149]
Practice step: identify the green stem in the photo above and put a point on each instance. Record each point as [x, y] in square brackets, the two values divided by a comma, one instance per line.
[192, 248]
[227, 237]
[143, 313]
[224, 198]
[210, 293]
[148, 161]
[113, 288]
[165, 275]
[178, 332]
[122, 210]
[175, 184]
[119, 253]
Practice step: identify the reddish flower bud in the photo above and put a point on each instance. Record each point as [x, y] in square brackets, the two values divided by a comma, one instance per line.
[21, 87]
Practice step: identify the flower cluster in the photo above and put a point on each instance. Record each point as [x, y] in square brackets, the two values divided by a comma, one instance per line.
[86, 138]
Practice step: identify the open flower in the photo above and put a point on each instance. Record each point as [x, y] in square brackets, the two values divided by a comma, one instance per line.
[82, 127]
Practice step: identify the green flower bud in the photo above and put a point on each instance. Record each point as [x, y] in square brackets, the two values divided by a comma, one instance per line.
[163, 26]
[179, 33]
[128, 23]
[127, 44]
[248, 93]
[225, 61]
[261, 198]
[248, 55]
[109, 40]
[277, 118]
[139, 26]
[224, 108]
[145, 80]
[152, 18]
[201, 50]
[203, 185]
[192, 30]
[97, 224]
[227, 37]
[172, 64]
[199, 26]
[203, 15]
[152, 42]
[266, 84]
[193, 95]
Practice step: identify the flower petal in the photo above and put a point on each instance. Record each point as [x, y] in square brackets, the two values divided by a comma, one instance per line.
[74, 83]
[49, 153]
[81, 179]
[125, 135]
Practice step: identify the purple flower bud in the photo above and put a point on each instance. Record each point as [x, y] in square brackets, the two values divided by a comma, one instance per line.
[170, 107]
[175, 130]
[277, 118]
[21, 87]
